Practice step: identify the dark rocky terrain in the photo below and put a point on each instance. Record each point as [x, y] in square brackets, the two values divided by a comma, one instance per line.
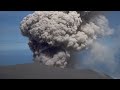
[37, 71]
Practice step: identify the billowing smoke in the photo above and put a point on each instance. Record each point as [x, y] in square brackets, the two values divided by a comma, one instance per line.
[55, 35]
[102, 56]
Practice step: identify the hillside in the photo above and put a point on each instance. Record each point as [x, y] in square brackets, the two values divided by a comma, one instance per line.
[37, 71]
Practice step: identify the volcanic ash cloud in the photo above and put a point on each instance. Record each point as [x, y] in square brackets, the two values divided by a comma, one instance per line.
[54, 35]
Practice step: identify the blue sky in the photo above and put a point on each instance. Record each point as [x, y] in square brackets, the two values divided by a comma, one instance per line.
[114, 18]
[12, 43]
[13, 46]
[10, 35]
[9, 26]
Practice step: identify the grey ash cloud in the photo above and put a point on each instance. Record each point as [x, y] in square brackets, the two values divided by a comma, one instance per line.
[54, 35]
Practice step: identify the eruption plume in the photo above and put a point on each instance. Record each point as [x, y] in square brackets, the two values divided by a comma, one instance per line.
[54, 35]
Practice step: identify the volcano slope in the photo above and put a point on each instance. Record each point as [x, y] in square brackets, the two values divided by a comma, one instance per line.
[39, 71]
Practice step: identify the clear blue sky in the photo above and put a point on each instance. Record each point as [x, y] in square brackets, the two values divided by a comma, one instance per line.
[13, 46]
